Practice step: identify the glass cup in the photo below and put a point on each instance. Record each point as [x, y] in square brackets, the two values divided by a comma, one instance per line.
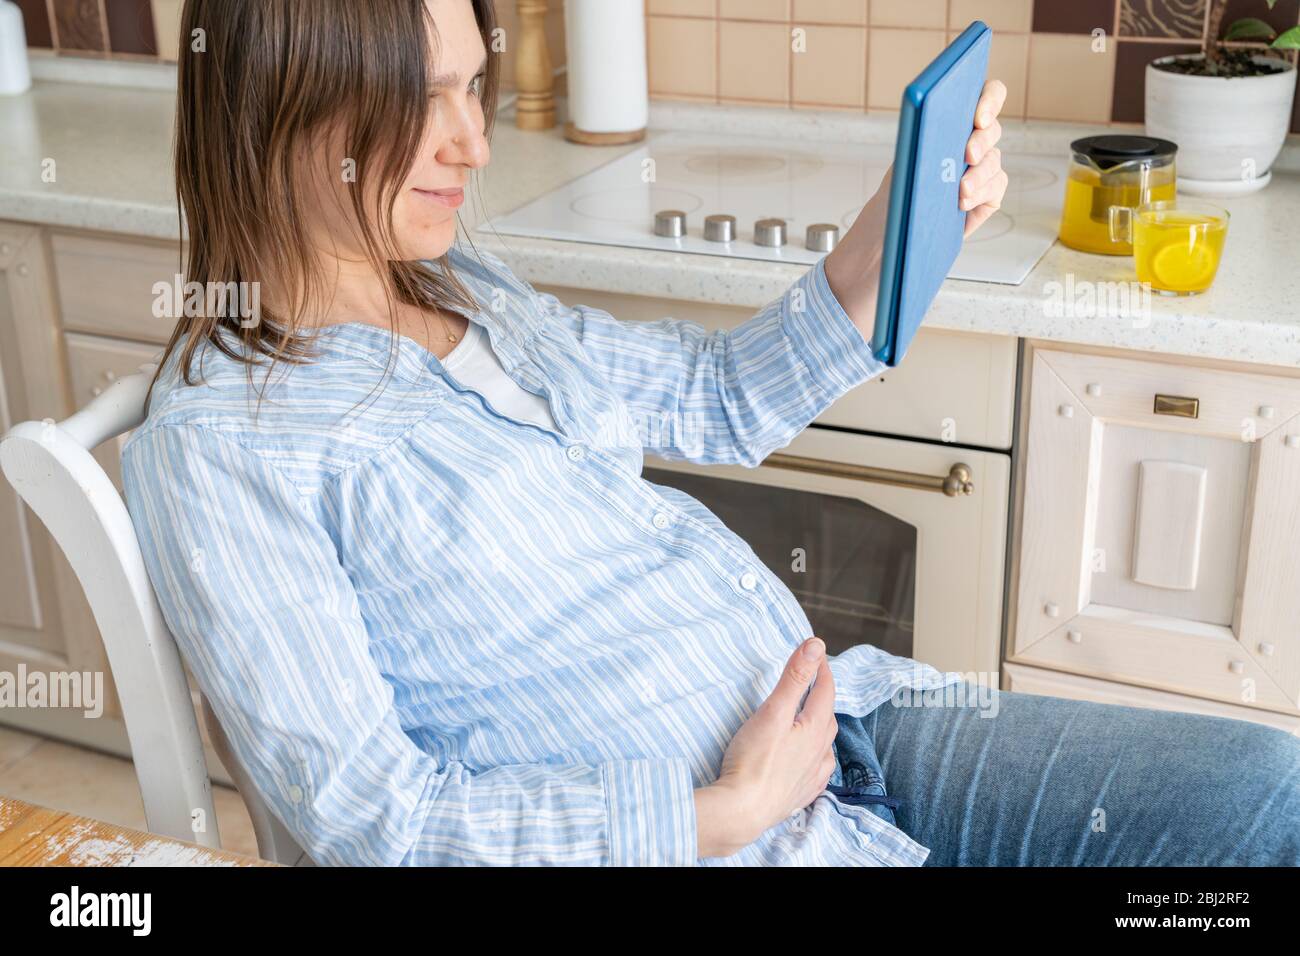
[1177, 243]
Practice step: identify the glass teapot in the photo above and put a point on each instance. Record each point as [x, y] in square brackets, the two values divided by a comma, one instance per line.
[1108, 173]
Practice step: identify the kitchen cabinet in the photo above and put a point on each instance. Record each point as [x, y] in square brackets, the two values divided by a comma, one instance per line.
[46, 625]
[1052, 683]
[50, 285]
[1159, 531]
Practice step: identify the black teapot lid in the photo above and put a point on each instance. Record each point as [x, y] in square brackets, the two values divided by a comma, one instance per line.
[1113, 149]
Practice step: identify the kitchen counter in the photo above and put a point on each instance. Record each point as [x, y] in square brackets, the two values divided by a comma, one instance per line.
[112, 172]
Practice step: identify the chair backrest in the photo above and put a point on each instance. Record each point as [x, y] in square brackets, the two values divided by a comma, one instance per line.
[50, 465]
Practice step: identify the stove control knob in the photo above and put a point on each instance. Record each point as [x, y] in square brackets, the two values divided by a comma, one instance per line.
[769, 232]
[822, 237]
[670, 223]
[719, 228]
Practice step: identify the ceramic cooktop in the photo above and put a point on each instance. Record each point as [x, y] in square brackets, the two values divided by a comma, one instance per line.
[804, 183]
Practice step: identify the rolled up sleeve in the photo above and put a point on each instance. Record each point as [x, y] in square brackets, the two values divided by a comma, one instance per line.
[725, 396]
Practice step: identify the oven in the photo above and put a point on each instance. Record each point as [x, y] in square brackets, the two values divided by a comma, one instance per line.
[882, 540]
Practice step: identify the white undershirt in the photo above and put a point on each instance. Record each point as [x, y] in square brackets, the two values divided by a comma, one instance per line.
[474, 364]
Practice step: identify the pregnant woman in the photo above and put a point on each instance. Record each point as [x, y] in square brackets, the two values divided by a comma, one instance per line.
[396, 522]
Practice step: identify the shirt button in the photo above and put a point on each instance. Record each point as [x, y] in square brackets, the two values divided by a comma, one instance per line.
[661, 520]
[295, 793]
[749, 580]
[577, 453]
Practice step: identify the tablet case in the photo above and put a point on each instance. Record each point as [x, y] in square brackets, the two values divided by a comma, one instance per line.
[924, 226]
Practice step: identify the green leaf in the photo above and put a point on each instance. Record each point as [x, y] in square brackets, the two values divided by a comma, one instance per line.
[1249, 28]
[1289, 40]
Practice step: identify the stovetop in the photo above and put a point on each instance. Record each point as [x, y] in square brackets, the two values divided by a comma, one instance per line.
[749, 178]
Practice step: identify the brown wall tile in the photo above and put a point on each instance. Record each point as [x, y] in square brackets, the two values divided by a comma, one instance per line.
[1283, 16]
[78, 25]
[1129, 101]
[1074, 16]
[1295, 110]
[130, 26]
[1183, 19]
[36, 23]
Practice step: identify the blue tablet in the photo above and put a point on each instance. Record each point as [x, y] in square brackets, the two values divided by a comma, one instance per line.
[924, 226]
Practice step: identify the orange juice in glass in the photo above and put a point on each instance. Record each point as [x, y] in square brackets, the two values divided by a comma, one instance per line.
[1177, 244]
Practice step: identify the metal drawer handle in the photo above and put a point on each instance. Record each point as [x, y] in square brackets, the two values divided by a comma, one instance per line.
[958, 481]
[1178, 405]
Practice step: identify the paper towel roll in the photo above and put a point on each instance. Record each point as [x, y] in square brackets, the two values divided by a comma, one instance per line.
[609, 100]
[15, 76]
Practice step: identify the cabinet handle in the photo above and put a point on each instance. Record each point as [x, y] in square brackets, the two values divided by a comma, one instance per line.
[1178, 405]
[958, 481]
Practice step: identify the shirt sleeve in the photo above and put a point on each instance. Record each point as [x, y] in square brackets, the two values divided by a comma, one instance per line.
[249, 583]
[727, 396]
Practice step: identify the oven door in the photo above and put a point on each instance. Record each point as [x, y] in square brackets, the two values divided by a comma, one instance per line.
[883, 541]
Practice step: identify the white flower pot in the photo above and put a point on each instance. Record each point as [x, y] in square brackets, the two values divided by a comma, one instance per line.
[1228, 129]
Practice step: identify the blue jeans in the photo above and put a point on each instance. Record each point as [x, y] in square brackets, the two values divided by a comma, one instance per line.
[1026, 780]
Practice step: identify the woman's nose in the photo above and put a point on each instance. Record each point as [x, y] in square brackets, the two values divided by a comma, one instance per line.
[467, 145]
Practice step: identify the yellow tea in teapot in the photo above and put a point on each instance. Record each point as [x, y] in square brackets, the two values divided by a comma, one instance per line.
[1085, 220]
[1109, 176]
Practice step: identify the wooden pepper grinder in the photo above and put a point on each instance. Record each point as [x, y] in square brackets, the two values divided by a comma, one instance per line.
[534, 76]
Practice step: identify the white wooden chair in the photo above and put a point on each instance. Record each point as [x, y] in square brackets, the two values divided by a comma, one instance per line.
[50, 465]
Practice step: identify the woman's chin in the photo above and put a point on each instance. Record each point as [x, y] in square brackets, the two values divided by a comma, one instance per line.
[431, 243]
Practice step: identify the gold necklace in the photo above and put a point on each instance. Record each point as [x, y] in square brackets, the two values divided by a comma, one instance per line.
[451, 337]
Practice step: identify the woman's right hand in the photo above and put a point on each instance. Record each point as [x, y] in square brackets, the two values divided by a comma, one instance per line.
[779, 760]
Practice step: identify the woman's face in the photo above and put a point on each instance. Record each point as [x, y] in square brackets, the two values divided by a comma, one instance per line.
[424, 214]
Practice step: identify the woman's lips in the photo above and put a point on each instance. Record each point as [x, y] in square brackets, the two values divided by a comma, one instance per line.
[451, 198]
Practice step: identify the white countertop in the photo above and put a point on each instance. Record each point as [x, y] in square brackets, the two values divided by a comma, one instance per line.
[111, 148]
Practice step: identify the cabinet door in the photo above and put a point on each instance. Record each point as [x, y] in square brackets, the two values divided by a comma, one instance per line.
[46, 626]
[1160, 538]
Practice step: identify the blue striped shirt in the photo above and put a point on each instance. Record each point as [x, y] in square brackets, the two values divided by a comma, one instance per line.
[437, 635]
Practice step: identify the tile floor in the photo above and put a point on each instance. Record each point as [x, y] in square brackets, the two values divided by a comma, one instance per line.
[86, 782]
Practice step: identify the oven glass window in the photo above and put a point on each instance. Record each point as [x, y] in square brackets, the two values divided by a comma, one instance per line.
[851, 566]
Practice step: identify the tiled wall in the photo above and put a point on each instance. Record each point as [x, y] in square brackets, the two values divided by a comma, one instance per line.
[857, 56]
[861, 53]
[150, 30]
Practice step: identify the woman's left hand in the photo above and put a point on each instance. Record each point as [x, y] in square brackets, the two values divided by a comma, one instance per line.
[985, 182]
[853, 266]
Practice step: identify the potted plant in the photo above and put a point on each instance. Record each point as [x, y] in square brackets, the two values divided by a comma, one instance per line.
[1227, 108]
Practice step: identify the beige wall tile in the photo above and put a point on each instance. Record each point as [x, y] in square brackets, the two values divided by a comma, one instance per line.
[909, 13]
[894, 59]
[754, 10]
[1009, 62]
[167, 27]
[683, 57]
[1067, 80]
[852, 12]
[1014, 16]
[753, 61]
[833, 69]
[679, 8]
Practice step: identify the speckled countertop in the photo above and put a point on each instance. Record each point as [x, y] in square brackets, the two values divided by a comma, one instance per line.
[111, 147]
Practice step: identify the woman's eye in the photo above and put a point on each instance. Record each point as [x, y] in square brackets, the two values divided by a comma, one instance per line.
[476, 84]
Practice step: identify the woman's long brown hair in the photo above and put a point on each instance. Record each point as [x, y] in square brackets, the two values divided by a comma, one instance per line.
[260, 83]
